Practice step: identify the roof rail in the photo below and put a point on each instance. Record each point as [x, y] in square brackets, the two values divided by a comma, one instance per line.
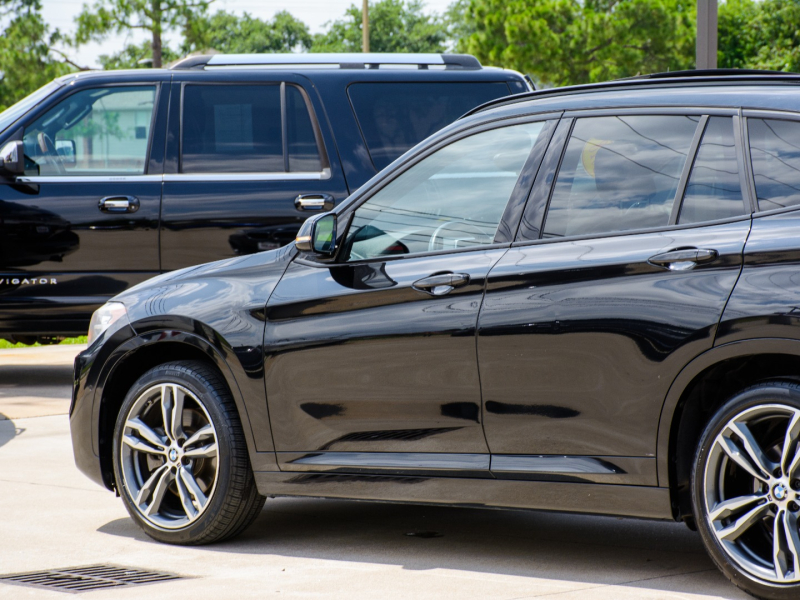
[373, 60]
[693, 76]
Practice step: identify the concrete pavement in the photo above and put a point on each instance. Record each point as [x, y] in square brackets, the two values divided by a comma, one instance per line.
[51, 516]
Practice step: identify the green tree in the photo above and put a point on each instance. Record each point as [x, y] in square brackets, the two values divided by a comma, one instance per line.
[136, 56]
[394, 26]
[562, 42]
[229, 33]
[27, 59]
[155, 16]
[777, 36]
[737, 36]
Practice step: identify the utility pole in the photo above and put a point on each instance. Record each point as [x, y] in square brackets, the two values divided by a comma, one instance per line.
[706, 34]
[365, 26]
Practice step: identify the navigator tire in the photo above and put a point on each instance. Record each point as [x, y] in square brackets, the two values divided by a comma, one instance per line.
[746, 490]
[180, 457]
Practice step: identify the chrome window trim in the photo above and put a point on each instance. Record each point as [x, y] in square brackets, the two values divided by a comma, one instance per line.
[317, 176]
[88, 178]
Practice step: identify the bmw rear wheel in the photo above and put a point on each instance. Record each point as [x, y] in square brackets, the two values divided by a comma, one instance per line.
[180, 459]
[746, 490]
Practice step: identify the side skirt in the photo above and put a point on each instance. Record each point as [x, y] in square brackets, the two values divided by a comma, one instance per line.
[620, 500]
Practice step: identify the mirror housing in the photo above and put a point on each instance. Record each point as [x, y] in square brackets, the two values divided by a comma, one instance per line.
[67, 151]
[318, 235]
[12, 159]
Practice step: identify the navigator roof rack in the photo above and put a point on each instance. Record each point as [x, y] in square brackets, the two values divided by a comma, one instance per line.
[695, 76]
[370, 60]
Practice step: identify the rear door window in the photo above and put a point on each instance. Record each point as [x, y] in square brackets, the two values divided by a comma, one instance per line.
[396, 116]
[775, 154]
[264, 128]
[714, 190]
[619, 173]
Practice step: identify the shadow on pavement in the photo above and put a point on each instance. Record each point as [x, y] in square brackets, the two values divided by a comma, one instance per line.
[8, 430]
[575, 548]
[36, 375]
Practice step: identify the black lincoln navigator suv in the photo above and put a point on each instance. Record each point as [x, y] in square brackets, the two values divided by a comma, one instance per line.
[109, 178]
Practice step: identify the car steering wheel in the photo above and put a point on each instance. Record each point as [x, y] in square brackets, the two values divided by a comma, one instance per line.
[49, 152]
[437, 239]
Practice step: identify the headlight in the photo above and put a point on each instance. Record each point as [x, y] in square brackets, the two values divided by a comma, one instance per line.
[111, 314]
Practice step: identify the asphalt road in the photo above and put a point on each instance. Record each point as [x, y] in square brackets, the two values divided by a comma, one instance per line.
[52, 517]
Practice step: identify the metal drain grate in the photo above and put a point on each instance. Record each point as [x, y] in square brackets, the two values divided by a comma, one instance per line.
[86, 579]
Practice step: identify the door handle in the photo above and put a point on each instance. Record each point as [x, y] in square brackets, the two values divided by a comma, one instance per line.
[119, 204]
[683, 259]
[441, 284]
[314, 202]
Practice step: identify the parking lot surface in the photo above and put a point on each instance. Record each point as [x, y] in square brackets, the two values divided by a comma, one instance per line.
[52, 517]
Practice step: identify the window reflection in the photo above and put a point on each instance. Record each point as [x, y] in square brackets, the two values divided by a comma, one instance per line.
[619, 173]
[775, 152]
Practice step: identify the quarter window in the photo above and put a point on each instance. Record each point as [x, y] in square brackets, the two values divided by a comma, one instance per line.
[450, 200]
[775, 152]
[714, 191]
[102, 131]
[396, 116]
[239, 129]
[619, 173]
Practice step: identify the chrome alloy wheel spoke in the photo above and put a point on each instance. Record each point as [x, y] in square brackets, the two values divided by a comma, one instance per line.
[148, 441]
[153, 490]
[790, 455]
[208, 451]
[728, 508]
[172, 399]
[198, 497]
[791, 525]
[753, 460]
[733, 531]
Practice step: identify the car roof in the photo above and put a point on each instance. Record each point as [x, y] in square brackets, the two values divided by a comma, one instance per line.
[732, 88]
[337, 60]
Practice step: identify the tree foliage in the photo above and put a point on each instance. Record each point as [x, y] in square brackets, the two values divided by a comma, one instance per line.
[225, 32]
[394, 26]
[561, 42]
[26, 59]
[105, 17]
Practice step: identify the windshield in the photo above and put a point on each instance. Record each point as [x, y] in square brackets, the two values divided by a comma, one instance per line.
[14, 112]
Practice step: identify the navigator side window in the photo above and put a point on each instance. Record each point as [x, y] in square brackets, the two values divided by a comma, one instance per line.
[241, 129]
[100, 131]
[619, 173]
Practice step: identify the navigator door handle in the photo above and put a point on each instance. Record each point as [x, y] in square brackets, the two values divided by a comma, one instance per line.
[441, 284]
[683, 259]
[119, 204]
[314, 202]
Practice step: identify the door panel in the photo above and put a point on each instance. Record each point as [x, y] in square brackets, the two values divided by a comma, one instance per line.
[578, 341]
[243, 166]
[359, 361]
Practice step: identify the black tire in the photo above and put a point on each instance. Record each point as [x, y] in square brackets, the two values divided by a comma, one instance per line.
[199, 497]
[740, 539]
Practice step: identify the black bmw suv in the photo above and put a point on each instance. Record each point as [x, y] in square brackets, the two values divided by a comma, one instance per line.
[110, 178]
[583, 299]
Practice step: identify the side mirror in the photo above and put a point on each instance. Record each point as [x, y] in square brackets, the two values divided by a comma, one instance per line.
[318, 235]
[66, 151]
[12, 159]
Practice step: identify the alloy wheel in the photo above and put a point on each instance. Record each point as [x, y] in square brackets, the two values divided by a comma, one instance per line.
[168, 452]
[752, 491]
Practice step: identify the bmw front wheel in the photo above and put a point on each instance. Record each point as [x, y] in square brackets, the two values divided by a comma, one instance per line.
[180, 458]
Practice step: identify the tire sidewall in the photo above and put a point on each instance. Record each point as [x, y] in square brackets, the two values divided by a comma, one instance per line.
[770, 393]
[209, 397]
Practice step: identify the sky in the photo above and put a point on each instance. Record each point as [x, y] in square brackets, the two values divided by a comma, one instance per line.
[315, 13]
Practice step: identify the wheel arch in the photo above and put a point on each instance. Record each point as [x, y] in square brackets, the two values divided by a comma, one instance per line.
[154, 344]
[699, 389]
